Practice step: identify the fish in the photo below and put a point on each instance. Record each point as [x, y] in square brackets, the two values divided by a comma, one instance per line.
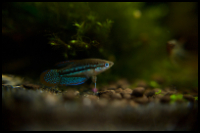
[75, 72]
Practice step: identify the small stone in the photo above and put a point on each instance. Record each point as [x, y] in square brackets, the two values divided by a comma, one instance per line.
[189, 98]
[133, 103]
[158, 96]
[165, 99]
[119, 90]
[150, 93]
[106, 94]
[127, 91]
[51, 100]
[116, 96]
[126, 96]
[138, 92]
[102, 102]
[87, 101]
[141, 100]
[31, 86]
[118, 103]
[69, 95]
[92, 97]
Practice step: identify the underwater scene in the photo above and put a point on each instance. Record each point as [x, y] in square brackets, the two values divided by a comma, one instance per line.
[100, 66]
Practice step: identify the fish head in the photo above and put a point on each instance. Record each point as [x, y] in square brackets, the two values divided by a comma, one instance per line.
[104, 65]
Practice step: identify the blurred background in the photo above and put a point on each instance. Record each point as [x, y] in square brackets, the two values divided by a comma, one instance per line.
[152, 42]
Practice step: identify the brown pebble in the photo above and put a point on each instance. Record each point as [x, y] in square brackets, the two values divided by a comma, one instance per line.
[31, 86]
[102, 102]
[126, 96]
[106, 94]
[149, 93]
[151, 99]
[119, 90]
[50, 99]
[92, 97]
[69, 95]
[141, 100]
[157, 97]
[127, 91]
[133, 103]
[138, 92]
[189, 98]
[118, 103]
[116, 96]
[165, 99]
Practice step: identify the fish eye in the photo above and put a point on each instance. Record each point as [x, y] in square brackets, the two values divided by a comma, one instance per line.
[107, 64]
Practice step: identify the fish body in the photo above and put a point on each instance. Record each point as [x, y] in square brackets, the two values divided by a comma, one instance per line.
[74, 72]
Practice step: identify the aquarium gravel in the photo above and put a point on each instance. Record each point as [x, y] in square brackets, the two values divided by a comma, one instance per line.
[32, 107]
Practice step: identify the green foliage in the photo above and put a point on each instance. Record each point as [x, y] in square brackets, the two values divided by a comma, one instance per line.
[176, 97]
[156, 93]
[154, 84]
[196, 98]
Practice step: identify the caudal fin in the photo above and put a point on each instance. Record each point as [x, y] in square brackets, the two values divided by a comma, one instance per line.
[50, 77]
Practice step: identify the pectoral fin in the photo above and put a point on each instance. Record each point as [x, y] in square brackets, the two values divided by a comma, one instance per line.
[94, 78]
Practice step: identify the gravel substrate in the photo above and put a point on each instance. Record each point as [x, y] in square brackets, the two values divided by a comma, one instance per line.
[30, 107]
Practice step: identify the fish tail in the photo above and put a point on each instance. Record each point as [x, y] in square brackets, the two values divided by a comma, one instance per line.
[50, 77]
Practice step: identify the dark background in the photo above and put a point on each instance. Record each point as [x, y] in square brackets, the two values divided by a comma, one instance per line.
[36, 36]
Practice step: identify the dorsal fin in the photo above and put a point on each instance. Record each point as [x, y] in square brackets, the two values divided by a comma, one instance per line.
[64, 63]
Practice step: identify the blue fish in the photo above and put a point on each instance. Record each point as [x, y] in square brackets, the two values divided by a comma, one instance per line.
[75, 72]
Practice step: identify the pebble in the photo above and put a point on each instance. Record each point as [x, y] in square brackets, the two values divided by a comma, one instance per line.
[127, 91]
[116, 96]
[126, 96]
[51, 99]
[138, 92]
[149, 93]
[133, 103]
[31, 86]
[158, 97]
[165, 99]
[106, 94]
[92, 97]
[118, 103]
[118, 90]
[102, 102]
[70, 94]
[189, 98]
[141, 100]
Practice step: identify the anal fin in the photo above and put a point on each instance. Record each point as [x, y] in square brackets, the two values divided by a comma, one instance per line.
[72, 80]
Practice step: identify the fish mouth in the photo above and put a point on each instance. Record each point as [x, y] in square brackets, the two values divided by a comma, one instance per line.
[111, 64]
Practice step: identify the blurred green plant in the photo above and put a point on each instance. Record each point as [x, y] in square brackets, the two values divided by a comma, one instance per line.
[131, 34]
[175, 97]
[156, 93]
[196, 98]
